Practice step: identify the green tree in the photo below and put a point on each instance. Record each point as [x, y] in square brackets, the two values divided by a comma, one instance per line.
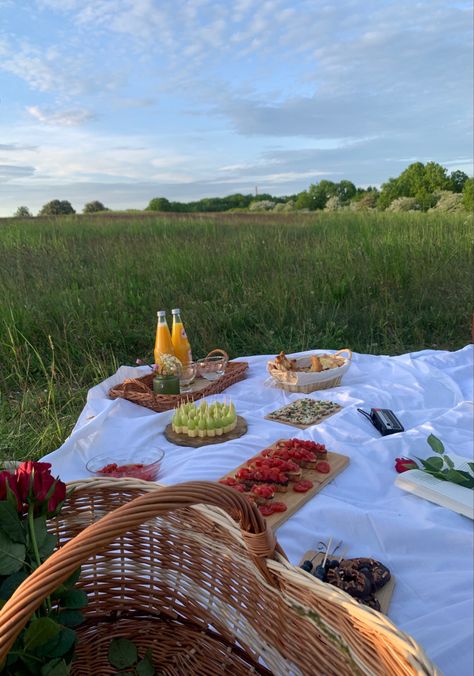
[391, 190]
[345, 191]
[436, 177]
[321, 192]
[426, 200]
[468, 195]
[417, 180]
[57, 208]
[94, 207]
[303, 200]
[23, 212]
[159, 204]
[457, 179]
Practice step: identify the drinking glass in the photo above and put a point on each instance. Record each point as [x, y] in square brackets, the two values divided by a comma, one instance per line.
[187, 375]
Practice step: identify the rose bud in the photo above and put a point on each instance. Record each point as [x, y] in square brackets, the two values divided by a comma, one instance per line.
[404, 464]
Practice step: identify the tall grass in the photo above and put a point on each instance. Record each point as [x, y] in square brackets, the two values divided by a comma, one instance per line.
[79, 297]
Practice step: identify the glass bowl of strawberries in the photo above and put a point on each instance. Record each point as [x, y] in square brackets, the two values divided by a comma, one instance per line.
[136, 463]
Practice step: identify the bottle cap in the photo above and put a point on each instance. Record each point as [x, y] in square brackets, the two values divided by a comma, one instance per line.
[176, 311]
[161, 313]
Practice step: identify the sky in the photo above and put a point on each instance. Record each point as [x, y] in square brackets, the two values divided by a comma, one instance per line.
[126, 100]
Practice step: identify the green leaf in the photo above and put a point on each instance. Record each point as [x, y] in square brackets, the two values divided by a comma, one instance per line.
[10, 523]
[59, 645]
[70, 618]
[40, 631]
[145, 666]
[46, 542]
[12, 555]
[460, 478]
[11, 583]
[57, 667]
[122, 653]
[436, 444]
[73, 599]
[448, 461]
[433, 464]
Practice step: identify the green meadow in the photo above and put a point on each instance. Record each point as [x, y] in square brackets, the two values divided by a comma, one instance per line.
[79, 296]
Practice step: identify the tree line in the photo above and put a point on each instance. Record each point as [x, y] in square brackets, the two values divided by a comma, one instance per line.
[420, 187]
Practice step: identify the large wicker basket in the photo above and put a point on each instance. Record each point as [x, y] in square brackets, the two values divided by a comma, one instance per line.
[140, 390]
[206, 596]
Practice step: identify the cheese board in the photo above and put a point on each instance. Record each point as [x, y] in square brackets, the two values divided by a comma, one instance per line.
[291, 498]
[196, 442]
[304, 413]
[383, 595]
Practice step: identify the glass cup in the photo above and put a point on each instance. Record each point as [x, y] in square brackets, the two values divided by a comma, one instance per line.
[212, 368]
[165, 384]
[187, 375]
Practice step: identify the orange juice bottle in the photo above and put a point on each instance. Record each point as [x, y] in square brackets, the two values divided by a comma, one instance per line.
[163, 344]
[182, 348]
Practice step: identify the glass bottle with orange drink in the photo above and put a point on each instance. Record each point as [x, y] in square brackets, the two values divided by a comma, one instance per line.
[163, 342]
[181, 346]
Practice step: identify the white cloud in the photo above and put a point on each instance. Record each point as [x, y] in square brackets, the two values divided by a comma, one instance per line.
[61, 118]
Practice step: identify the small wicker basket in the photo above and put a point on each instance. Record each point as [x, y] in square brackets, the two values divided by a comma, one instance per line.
[140, 390]
[206, 596]
[310, 381]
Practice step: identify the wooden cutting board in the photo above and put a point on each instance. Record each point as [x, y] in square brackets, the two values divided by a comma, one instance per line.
[196, 442]
[295, 500]
[383, 596]
[303, 427]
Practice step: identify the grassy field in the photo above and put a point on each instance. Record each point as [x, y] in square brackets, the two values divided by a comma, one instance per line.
[79, 296]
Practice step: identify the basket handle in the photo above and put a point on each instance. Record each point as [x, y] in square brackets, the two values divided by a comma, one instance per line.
[137, 384]
[219, 351]
[258, 537]
[345, 349]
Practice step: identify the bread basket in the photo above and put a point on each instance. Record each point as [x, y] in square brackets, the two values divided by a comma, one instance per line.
[309, 381]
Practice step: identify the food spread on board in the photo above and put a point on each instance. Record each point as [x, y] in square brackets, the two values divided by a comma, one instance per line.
[304, 412]
[204, 420]
[285, 475]
[368, 581]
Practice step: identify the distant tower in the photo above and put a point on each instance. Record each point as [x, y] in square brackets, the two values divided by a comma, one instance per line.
[256, 191]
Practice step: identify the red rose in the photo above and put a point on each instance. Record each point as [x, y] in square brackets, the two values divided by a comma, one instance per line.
[404, 464]
[35, 485]
[32, 477]
[6, 478]
[58, 497]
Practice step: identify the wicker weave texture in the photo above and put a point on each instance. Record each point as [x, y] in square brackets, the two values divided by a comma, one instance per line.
[140, 390]
[206, 596]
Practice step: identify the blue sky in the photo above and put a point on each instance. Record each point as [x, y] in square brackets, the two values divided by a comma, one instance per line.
[125, 100]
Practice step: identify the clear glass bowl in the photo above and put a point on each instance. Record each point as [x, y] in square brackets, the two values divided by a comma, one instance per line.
[137, 463]
[212, 368]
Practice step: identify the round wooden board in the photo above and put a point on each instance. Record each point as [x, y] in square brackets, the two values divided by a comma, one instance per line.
[195, 442]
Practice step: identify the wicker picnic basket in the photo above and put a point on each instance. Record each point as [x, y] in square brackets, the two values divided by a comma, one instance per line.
[310, 381]
[206, 596]
[140, 390]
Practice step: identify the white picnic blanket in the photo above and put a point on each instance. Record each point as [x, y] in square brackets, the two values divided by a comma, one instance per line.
[429, 549]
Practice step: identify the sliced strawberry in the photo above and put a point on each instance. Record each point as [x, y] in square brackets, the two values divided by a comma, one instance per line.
[230, 481]
[266, 510]
[279, 506]
[303, 486]
[244, 473]
[263, 490]
[323, 467]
